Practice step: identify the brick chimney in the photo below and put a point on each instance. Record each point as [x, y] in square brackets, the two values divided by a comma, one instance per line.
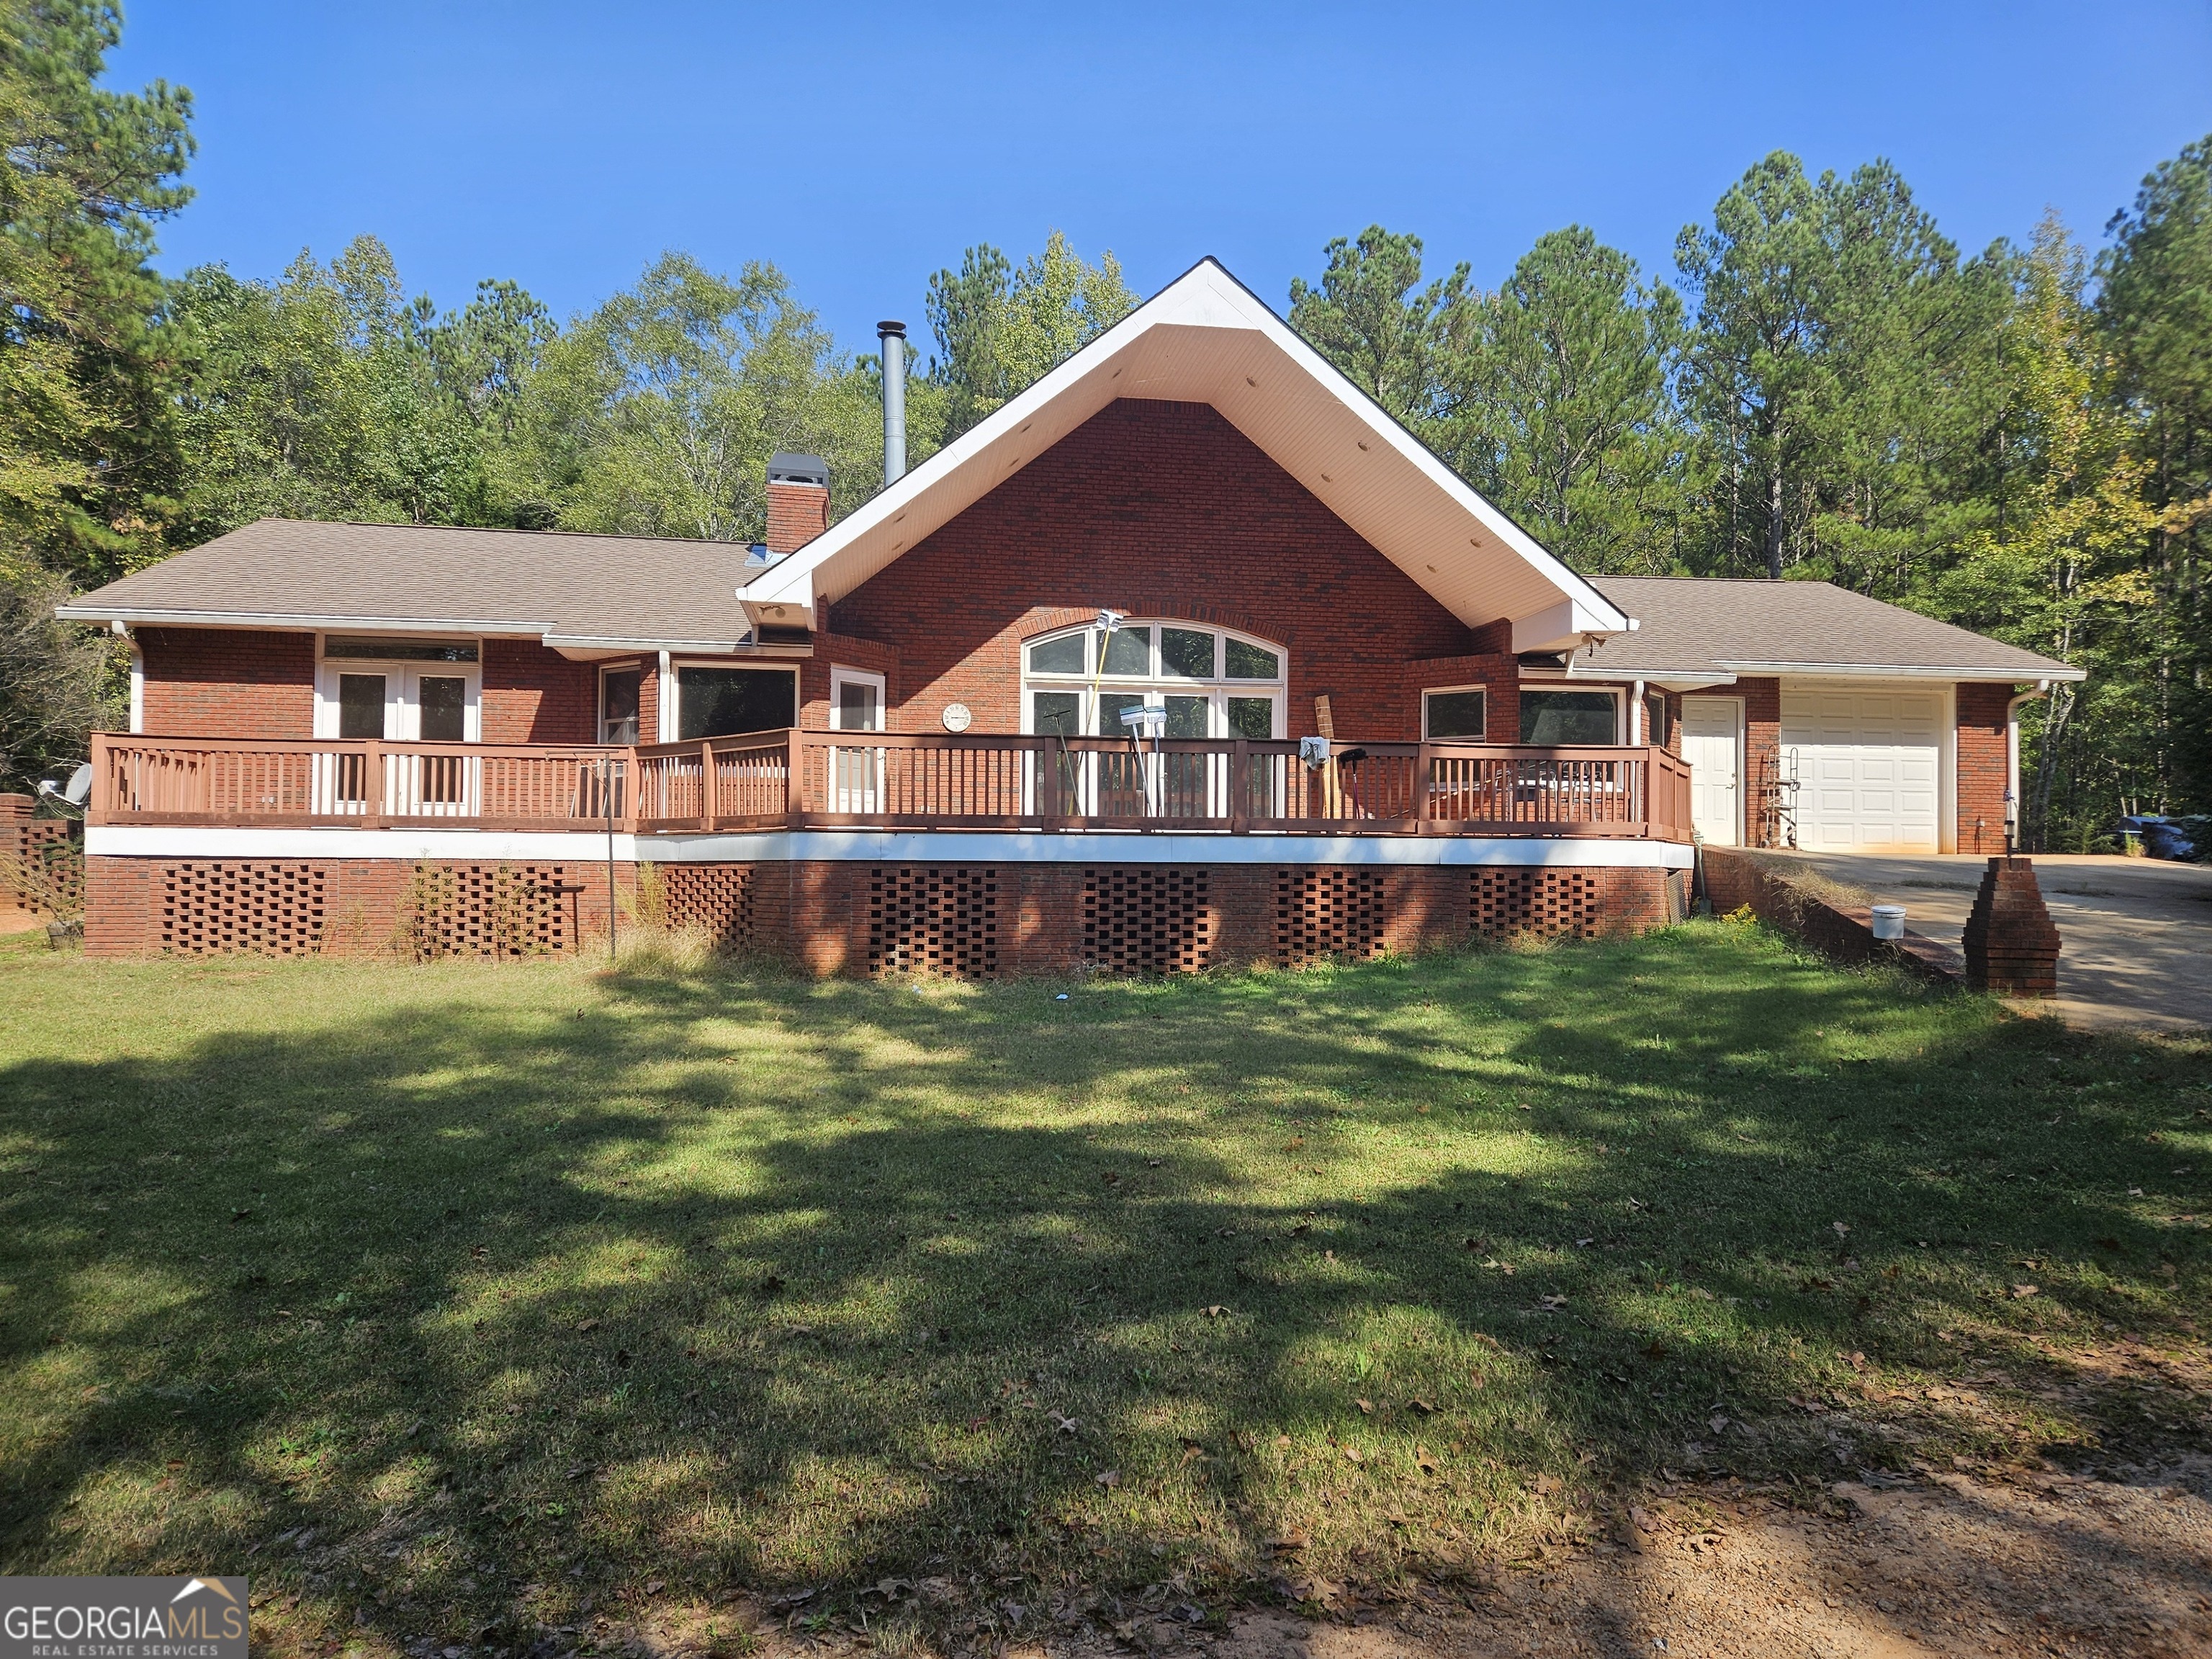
[798, 502]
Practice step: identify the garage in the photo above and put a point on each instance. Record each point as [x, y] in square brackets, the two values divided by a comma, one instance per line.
[1868, 766]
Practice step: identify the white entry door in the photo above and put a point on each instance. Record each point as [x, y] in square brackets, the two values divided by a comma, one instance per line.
[1712, 742]
[1868, 764]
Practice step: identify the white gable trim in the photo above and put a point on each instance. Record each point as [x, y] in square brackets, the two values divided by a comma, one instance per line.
[1208, 338]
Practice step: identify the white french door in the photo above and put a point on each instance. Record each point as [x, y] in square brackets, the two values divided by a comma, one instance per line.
[856, 776]
[400, 702]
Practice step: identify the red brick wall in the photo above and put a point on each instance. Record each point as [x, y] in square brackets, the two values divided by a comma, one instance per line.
[228, 682]
[797, 513]
[1159, 509]
[837, 651]
[1981, 767]
[1762, 748]
[1499, 675]
[532, 695]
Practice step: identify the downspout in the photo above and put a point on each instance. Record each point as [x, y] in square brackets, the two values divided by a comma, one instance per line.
[1636, 719]
[2012, 764]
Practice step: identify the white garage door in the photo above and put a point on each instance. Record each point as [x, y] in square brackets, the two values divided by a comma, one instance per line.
[1868, 765]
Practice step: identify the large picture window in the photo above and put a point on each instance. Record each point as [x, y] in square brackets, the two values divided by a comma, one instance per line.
[1569, 719]
[1209, 683]
[721, 703]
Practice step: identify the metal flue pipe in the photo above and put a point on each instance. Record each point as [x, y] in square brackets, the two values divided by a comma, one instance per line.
[893, 335]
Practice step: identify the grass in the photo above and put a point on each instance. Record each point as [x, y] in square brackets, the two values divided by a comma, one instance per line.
[454, 1301]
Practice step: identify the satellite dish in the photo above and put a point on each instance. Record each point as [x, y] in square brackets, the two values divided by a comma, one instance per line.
[80, 786]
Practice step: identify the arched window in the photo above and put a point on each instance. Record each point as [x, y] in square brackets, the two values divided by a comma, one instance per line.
[1211, 683]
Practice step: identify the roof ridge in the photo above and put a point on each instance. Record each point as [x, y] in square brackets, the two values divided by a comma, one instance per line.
[489, 529]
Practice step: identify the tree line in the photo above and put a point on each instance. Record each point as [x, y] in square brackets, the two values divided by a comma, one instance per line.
[2018, 440]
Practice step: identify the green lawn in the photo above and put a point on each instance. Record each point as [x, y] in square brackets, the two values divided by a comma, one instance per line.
[466, 1297]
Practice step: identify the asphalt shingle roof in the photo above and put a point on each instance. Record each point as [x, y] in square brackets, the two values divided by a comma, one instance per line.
[1692, 625]
[636, 590]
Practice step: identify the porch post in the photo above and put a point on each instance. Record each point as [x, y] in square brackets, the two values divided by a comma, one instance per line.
[1425, 789]
[372, 787]
[794, 785]
[709, 819]
[1239, 788]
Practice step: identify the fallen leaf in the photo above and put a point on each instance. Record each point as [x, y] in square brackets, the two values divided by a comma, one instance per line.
[1352, 1456]
[2019, 1292]
[1302, 1230]
[1297, 1141]
[1716, 1422]
[587, 1325]
[1282, 1442]
[1217, 1311]
[655, 1586]
[1110, 1478]
[1421, 1407]
[1553, 1304]
[1425, 1461]
[1111, 1178]
[1290, 1543]
[1548, 1483]
[1366, 1406]
[1063, 1425]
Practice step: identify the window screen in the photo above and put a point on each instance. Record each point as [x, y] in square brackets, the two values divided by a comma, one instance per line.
[1059, 713]
[1458, 714]
[720, 703]
[1561, 718]
[1187, 652]
[360, 705]
[1061, 656]
[1129, 651]
[618, 693]
[442, 702]
[1249, 662]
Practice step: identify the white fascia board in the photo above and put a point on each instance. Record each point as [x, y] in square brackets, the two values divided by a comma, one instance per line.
[291, 622]
[607, 645]
[1205, 297]
[1565, 626]
[1667, 679]
[1823, 670]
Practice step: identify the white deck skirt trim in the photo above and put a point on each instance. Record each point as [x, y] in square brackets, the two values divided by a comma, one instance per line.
[1208, 338]
[879, 846]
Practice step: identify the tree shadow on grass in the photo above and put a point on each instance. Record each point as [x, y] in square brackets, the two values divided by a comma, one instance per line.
[725, 1279]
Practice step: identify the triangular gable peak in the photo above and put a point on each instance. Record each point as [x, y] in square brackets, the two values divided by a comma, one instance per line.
[1208, 338]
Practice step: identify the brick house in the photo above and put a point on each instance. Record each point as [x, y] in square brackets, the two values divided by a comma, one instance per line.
[1187, 655]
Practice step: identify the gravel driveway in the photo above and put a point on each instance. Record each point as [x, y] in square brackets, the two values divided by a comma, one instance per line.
[2137, 933]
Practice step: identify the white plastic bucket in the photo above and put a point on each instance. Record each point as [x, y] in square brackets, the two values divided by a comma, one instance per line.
[1889, 922]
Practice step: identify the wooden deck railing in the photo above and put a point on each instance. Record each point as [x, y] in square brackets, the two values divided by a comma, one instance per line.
[841, 779]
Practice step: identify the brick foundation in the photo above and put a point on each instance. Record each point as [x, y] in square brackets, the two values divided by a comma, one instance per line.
[981, 920]
[344, 906]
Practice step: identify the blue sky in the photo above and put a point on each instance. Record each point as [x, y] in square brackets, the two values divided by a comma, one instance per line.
[860, 148]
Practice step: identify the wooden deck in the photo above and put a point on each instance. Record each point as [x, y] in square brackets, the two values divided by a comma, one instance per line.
[801, 779]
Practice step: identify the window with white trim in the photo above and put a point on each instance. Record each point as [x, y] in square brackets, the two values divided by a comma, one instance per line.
[1209, 681]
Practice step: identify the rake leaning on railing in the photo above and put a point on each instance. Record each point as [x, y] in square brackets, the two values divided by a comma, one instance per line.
[845, 780]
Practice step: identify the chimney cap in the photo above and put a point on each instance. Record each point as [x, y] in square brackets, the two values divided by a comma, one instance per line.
[884, 329]
[784, 467]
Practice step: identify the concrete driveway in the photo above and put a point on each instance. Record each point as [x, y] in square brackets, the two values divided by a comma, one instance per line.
[2136, 934]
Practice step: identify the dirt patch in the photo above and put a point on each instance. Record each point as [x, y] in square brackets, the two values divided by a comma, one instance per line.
[2038, 1562]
